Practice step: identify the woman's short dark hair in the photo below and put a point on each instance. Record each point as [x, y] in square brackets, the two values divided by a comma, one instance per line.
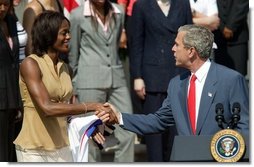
[45, 30]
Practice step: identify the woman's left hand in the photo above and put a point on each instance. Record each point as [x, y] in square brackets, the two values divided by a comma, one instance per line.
[98, 137]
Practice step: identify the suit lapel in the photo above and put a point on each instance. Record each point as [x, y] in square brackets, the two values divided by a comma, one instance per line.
[114, 25]
[158, 15]
[5, 42]
[104, 35]
[183, 99]
[208, 95]
[14, 48]
[157, 10]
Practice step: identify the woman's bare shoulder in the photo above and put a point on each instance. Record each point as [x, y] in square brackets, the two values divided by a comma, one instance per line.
[34, 6]
[29, 63]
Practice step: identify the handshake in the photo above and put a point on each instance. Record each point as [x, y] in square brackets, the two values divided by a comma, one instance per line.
[109, 116]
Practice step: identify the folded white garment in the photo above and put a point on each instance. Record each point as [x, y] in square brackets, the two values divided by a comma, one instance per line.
[79, 130]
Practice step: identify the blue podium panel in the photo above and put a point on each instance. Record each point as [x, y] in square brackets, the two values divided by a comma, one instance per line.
[197, 149]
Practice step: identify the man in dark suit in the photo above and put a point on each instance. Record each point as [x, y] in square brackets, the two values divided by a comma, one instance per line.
[154, 27]
[233, 35]
[214, 84]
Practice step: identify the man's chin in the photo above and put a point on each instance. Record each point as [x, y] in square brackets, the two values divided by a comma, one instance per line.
[178, 64]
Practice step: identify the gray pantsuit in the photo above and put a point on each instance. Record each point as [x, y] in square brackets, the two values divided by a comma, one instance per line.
[98, 71]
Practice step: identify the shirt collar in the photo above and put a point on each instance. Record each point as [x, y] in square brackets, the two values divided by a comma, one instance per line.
[88, 11]
[50, 62]
[203, 70]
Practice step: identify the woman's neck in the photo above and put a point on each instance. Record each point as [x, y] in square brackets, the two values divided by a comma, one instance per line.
[53, 55]
[100, 12]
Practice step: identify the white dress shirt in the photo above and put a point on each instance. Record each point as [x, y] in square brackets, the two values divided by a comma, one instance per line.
[206, 7]
[201, 75]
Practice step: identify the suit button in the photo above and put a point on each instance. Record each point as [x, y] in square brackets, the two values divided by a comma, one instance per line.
[109, 65]
[162, 50]
[107, 55]
[106, 44]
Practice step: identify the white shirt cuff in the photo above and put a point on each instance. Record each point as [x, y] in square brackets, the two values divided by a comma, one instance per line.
[120, 119]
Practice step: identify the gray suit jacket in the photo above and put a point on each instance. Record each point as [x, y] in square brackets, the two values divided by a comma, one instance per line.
[222, 85]
[94, 56]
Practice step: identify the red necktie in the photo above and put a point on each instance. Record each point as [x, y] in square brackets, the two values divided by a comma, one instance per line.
[192, 103]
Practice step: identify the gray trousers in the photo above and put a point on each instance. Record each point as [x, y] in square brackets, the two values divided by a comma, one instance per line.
[120, 98]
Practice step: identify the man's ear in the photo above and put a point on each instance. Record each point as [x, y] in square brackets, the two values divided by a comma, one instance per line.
[192, 52]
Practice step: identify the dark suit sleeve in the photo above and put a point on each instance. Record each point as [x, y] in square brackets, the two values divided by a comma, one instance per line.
[151, 123]
[237, 14]
[188, 13]
[138, 34]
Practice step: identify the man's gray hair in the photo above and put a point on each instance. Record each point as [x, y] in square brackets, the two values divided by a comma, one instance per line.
[199, 37]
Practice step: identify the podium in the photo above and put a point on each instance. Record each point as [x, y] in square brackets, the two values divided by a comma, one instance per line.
[197, 149]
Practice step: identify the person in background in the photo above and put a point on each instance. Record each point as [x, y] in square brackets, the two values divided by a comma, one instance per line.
[22, 40]
[10, 100]
[19, 7]
[96, 27]
[212, 83]
[128, 5]
[22, 35]
[233, 35]
[126, 43]
[46, 90]
[153, 30]
[125, 37]
[205, 13]
[33, 9]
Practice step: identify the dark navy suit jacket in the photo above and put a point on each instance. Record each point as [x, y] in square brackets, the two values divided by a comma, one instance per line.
[222, 85]
[9, 68]
[153, 35]
[233, 14]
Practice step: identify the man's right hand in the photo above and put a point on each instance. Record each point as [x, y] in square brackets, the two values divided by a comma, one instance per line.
[228, 33]
[114, 115]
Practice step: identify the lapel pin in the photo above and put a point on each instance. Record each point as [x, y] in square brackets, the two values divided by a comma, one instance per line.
[210, 94]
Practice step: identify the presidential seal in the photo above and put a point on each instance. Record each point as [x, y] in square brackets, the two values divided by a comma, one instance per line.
[227, 146]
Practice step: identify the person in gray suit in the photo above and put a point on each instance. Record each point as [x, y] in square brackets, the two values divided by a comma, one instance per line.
[214, 84]
[98, 71]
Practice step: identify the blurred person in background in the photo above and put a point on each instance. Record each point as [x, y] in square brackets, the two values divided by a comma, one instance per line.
[154, 25]
[232, 37]
[96, 28]
[33, 9]
[22, 35]
[205, 13]
[10, 100]
[19, 6]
